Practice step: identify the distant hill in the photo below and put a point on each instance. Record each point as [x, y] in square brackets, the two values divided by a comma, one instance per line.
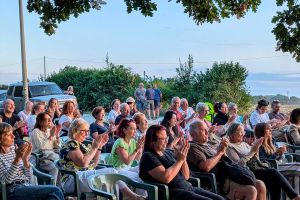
[282, 98]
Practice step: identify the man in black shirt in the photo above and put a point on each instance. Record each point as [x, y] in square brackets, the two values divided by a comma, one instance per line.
[14, 120]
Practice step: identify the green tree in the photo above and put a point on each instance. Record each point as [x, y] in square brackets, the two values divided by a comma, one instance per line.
[184, 77]
[224, 82]
[286, 30]
[97, 86]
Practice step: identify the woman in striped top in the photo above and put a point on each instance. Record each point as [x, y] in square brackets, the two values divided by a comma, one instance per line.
[15, 170]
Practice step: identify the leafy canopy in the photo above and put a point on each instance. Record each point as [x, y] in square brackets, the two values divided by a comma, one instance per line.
[286, 30]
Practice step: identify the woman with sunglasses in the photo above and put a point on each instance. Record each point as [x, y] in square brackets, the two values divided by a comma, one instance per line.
[45, 141]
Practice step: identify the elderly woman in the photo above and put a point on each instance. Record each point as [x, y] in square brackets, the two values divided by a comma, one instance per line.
[101, 127]
[163, 166]
[175, 105]
[76, 156]
[170, 123]
[186, 111]
[141, 125]
[126, 149]
[24, 116]
[16, 172]
[294, 128]
[45, 140]
[37, 109]
[114, 112]
[68, 114]
[53, 109]
[244, 154]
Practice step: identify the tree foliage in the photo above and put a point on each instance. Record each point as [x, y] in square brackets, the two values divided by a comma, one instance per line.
[224, 82]
[97, 86]
[286, 30]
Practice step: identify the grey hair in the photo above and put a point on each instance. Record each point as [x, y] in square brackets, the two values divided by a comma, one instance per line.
[232, 128]
[123, 105]
[75, 127]
[183, 100]
[231, 105]
[201, 106]
[194, 126]
[173, 99]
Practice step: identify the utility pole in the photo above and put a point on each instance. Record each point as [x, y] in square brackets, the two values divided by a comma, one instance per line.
[44, 68]
[23, 53]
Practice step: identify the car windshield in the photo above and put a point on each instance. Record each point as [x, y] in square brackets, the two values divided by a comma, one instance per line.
[43, 90]
[2, 96]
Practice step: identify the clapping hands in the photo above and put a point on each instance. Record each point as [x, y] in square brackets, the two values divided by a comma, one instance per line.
[182, 151]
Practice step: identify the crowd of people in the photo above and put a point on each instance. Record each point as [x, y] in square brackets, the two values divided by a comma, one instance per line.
[186, 141]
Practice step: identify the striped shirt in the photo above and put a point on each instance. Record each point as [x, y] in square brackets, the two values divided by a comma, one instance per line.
[10, 172]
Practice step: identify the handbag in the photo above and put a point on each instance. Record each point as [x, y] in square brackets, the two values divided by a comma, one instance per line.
[235, 172]
[256, 164]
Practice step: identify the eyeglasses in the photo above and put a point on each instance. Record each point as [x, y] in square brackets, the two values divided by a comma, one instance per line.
[163, 139]
[85, 131]
[129, 103]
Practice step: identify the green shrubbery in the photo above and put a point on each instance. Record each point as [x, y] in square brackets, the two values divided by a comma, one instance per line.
[223, 82]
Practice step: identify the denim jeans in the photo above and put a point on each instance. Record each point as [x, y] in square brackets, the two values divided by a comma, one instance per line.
[32, 192]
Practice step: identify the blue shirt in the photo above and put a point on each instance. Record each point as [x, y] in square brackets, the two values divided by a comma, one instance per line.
[157, 94]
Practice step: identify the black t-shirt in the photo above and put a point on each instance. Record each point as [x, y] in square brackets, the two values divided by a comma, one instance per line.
[12, 120]
[119, 119]
[150, 160]
[220, 119]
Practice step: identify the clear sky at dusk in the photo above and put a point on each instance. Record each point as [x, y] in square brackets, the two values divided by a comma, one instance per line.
[149, 44]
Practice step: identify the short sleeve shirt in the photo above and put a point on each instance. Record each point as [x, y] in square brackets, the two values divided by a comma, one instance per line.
[157, 94]
[63, 119]
[114, 158]
[150, 94]
[112, 115]
[140, 93]
[256, 118]
[150, 161]
[66, 162]
[94, 127]
[12, 120]
[199, 153]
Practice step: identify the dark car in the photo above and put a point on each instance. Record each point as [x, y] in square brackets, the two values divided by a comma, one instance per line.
[38, 92]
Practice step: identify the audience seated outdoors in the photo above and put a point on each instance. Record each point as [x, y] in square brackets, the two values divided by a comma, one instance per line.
[260, 115]
[174, 131]
[101, 127]
[68, 114]
[222, 116]
[24, 116]
[126, 149]
[16, 172]
[45, 141]
[53, 108]
[78, 157]
[114, 112]
[294, 128]
[175, 105]
[14, 120]
[187, 112]
[161, 165]
[125, 112]
[141, 125]
[36, 109]
[132, 106]
[205, 158]
[246, 155]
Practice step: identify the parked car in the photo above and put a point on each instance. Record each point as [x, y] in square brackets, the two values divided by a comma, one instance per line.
[2, 98]
[38, 92]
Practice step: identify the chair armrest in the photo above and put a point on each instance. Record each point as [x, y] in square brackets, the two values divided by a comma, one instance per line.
[295, 157]
[101, 165]
[207, 176]
[289, 157]
[163, 190]
[195, 181]
[43, 178]
[106, 195]
[3, 190]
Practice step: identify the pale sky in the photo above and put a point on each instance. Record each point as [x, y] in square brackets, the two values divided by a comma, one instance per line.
[149, 44]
